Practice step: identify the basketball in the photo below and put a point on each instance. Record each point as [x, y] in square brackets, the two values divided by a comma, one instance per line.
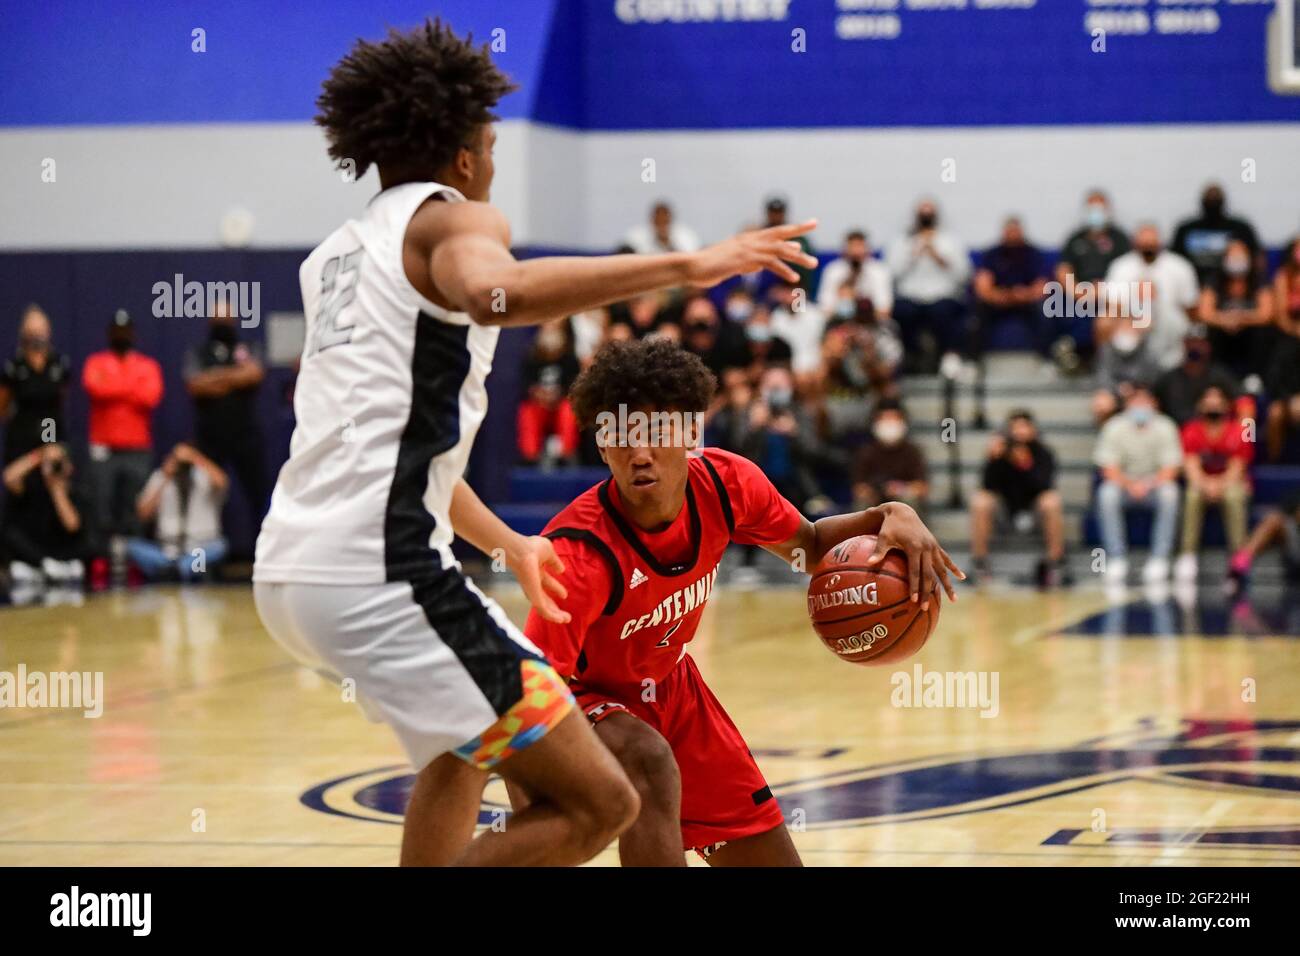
[865, 615]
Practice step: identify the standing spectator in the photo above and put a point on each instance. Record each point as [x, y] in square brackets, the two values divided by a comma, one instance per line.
[1215, 459]
[43, 524]
[33, 384]
[1157, 287]
[1204, 239]
[545, 421]
[1020, 479]
[124, 386]
[1085, 259]
[223, 376]
[1238, 308]
[1178, 390]
[855, 282]
[1125, 357]
[662, 233]
[182, 500]
[1009, 287]
[801, 324]
[774, 211]
[892, 467]
[1139, 454]
[930, 269]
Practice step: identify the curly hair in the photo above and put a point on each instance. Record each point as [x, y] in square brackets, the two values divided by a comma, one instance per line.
[409, 101]
[651, 373]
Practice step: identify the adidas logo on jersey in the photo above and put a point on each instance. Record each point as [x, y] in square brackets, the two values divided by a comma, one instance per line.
[638, 577]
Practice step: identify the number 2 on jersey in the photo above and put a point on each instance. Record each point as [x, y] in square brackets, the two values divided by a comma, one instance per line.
[338, 287]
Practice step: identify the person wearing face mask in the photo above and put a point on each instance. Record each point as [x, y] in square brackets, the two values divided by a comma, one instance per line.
[1124, 357]
[721, 345]
[1239, 309]
[1085, 258]
[1178, 390]
[930, 267]
[1139, 454]
[124, 386]
[544, 422]
[33, 386]
[865, 279]
[1204, 239]
[223, 375]
[1158, 289]
[764, 346]
[891, 467]
[1216, 459]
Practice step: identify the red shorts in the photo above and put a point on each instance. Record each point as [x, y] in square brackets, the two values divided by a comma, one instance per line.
[724, 795]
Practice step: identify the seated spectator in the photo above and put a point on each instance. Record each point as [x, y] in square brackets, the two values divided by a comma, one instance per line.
[1286, 290]
[640, 317]
[801, 324]
[1204, 239]
[33, 386]
[662, 234]
[930, 268]
[738, 305]
[856, 284]
[858, 364]
[765, 346]
[720, 345]
[1178, 390]
[1085, 259]
[1019, 480]
[1280, 527]
[1282, 382]
[775, 210]
[590, 331]
[1139, 454]
[43, 525]
[545, 423]
[892, 467]
[1009, 287]
[1125, 356]
[1157, 288]
[1238, 308]
[1216, 457]
[182, 501]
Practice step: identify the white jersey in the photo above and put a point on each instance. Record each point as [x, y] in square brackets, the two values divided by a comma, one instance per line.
[389, 398]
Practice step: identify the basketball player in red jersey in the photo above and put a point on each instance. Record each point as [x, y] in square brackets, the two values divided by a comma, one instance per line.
[641, 552]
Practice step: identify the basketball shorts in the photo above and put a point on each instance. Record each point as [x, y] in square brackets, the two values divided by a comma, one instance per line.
[724, 794]
[436, 660]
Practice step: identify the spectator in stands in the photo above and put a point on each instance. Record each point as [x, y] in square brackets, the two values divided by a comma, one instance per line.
[1139, 454]
[774, 211]
[223, 375]
[590, 330]
[738, 305]
[1216, 456]
[765, 346]
[1279, 527]
[720, 345]
[1286, 290]
[182, 501]
[1203, 240]
[1085, 259]
[1009, 287]
[1125, 356]
[858, 363]
[1178, 391]
[800, 323]
[33, 386]
[124, 386]
[662, 233]
[1238, 308]
[545, 422]
[1019, 480]
[43, 532]
[1282, 382]
[641, 317]
[1156, 287]
[930, 269]
[892, 467]
[855, 282]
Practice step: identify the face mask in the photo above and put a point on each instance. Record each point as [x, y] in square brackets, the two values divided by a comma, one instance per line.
[1236, 266]
[1149, 255]
[223, 333]
[1213, 208]
[925, 220]
[739, 311]
[1141, 414]
[121, 344]
[1125, 341]
[846, 309]
[1197, 354]
[1097, 217]
[34, 343]
[779, 397]
[888, 431]
[1214, 415]
[758, 333]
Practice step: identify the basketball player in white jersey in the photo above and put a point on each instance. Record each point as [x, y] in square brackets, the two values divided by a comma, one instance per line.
[354, 571]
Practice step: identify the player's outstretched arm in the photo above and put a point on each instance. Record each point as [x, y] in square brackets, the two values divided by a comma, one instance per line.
[472, 267]
[897, 527]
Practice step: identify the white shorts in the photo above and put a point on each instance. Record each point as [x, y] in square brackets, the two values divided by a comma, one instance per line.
[436, 660]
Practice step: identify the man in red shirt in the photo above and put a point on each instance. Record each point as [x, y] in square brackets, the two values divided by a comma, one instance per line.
[125, 387]
[641, 553]
[1216, 459]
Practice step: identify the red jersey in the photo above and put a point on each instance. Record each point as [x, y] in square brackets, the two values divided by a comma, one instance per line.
[1216, 452]
[636, 598]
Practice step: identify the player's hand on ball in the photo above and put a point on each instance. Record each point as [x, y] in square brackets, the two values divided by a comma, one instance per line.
[535, 563]
[903, 530]
[746, 252]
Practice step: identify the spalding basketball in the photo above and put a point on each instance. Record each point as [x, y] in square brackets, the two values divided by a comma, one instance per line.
[865, 615]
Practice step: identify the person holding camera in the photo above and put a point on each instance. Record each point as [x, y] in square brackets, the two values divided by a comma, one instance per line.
[1019, 481]
[182, 500]
[43, 526]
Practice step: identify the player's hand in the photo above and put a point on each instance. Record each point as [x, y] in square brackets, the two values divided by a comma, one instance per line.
[902, 530]
[745, 252]
[535, 563]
